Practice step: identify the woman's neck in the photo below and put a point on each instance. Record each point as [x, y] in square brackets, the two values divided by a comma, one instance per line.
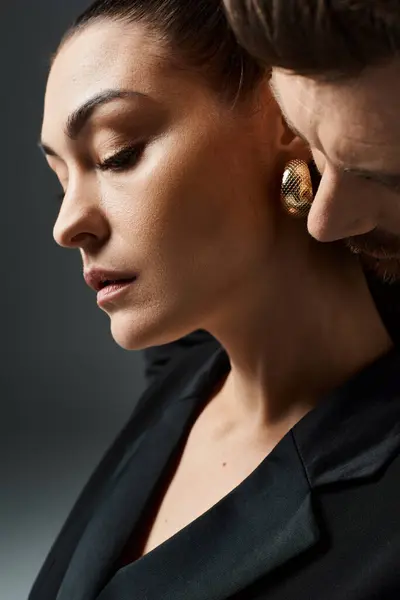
[301, 328]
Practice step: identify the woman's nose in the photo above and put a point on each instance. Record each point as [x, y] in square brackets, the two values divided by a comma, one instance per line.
[80, 223]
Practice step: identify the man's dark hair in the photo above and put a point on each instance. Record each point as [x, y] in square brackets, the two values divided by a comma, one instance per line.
[197, 31]
[324, 39]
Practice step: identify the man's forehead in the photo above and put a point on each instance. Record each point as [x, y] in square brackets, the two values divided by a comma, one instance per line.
[358, 109]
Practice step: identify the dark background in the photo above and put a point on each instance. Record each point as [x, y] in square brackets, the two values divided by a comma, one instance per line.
[66, 387]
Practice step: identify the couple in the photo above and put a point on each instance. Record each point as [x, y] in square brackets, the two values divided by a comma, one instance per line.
[264, 461]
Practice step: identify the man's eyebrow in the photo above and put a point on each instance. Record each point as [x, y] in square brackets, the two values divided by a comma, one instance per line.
[78, 119]
[390, 180]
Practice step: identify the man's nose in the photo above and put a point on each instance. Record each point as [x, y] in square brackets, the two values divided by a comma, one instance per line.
[81, 222]
[341, 208]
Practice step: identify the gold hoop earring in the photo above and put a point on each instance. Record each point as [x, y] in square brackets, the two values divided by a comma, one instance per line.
[296, 190]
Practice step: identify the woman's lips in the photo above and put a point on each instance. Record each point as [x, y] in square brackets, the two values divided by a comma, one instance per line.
[112, 290]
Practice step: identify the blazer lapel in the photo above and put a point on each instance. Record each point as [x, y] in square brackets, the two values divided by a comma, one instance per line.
[138, 460]
[263, 523]
[269, 519]
[355, 431]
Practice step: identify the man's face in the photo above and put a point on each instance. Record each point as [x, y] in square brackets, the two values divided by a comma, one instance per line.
[353, 128]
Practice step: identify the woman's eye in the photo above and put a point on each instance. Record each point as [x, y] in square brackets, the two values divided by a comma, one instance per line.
[122, 160]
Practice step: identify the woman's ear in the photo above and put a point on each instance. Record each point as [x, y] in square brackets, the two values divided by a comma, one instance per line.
[291, 145]
[272, 128]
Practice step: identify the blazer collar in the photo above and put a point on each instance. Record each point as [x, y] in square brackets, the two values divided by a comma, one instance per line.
[259, 526]
[355, 431]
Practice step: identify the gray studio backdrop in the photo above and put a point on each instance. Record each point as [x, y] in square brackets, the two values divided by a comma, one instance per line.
[66, 387]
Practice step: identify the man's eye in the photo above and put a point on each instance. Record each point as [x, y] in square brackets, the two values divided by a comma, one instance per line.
[122, 160]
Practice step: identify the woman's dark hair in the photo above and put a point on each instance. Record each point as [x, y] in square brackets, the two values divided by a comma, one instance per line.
[198, 32]
[325, 39]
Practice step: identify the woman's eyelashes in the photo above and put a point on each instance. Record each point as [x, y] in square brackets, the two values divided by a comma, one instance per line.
[123, 159]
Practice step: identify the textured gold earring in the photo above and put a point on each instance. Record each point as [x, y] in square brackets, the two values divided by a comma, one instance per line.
[296, 191]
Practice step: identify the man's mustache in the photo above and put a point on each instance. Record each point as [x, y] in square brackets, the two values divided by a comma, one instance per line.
[377, 244]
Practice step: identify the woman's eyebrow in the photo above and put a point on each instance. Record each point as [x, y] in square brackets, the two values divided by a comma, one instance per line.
[79, 117]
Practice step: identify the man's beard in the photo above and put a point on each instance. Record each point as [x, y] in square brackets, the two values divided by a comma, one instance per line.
[379, 252]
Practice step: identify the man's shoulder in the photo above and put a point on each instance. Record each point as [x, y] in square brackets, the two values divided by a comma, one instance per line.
[387, 300]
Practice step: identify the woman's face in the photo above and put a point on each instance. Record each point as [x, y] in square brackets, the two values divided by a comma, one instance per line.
[163, 182]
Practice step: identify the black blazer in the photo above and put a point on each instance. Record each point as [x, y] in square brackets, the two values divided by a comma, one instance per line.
[319, 518]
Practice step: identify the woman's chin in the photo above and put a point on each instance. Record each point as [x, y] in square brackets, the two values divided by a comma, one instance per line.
[134, 333]
[132, 336]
